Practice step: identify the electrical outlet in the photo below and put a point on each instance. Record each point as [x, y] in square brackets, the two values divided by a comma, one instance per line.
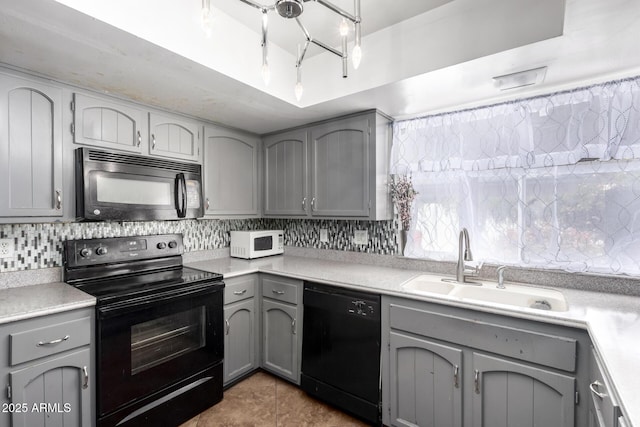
[6, 248]
[360, 237]
[324, 235]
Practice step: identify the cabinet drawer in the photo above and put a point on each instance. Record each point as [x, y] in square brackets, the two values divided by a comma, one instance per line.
[548, 350]
[281, 289]
[604, 404]
[238, 289]
[41, 342]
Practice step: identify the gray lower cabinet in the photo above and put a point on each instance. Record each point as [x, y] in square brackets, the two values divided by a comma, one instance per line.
[30, 148]
[46, 371]
[447, 366]
[425, 382]
[231, 169]
[106, 123]
[241, 339]
[603, 407]
[281, 322]
[507, 393]
[335, 169]
[54, 392]
[174, 137]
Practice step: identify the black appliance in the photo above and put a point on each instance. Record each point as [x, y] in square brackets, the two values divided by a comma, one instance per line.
[341, 349]
[111, 185]
[159, 328]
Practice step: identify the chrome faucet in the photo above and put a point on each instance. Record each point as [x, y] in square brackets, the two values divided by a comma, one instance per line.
[464, 254]
[500, 271]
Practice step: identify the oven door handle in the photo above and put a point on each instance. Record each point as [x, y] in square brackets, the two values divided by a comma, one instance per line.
[134, 304]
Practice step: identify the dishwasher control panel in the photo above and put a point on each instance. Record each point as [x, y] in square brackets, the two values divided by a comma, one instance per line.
[362, 308]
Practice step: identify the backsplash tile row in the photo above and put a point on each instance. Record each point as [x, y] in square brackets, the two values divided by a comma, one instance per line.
[40, 245]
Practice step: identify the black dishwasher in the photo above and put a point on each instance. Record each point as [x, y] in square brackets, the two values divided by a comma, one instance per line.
[341, 349]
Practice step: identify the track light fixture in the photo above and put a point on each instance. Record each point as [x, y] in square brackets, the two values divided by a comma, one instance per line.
[292, 9]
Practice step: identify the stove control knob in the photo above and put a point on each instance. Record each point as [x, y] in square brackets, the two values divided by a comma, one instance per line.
[85, 252]
[101, 250]
[161, 245]
[173, 244]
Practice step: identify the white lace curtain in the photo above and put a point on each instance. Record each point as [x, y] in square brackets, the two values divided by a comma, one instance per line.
[551, 181]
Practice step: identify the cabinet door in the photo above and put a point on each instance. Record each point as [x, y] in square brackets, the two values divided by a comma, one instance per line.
[280, 339]
[426, 380]
[108, 124]
[230, 173]
[239, 339]
[174, 137]
[285, 159]
[340, 168]
[55, 393]
[509, 394]
[30, 148]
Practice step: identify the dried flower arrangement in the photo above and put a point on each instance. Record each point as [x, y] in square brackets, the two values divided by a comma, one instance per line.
[402, 194]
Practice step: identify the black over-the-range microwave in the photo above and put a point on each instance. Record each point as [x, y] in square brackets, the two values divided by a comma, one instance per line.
[116, 186]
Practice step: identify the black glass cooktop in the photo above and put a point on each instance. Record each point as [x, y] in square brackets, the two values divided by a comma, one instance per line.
[136, 285]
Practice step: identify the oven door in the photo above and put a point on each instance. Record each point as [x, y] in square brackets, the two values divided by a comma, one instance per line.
[149, 343]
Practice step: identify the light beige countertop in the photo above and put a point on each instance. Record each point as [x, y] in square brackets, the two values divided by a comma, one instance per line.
[39, 300]
[613, 321]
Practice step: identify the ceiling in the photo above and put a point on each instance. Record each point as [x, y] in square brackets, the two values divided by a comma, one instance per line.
[419, 56]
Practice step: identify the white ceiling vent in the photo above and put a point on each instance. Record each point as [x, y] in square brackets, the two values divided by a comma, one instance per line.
[530, 77]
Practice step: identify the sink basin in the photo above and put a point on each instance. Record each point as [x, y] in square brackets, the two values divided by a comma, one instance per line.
[521, 296]
[514, 295]
[428, 284]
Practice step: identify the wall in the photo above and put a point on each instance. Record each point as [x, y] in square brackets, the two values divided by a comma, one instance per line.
[40, 245]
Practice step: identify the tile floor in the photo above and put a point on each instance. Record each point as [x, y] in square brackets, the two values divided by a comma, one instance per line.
[265, 400]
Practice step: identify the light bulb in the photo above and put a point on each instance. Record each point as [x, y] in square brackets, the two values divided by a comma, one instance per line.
[206, 21]
[344, 27]
[356, 56]
[298, 90]
[266, 74]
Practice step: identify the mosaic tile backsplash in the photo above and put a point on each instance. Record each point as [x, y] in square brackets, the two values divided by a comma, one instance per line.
[40, 245]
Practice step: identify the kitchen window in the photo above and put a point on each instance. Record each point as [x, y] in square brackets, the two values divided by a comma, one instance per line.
[550, 182]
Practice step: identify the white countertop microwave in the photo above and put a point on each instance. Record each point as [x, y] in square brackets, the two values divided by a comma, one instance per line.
[256, 243]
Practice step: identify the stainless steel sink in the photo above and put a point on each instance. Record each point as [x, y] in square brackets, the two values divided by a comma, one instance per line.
[513, 295]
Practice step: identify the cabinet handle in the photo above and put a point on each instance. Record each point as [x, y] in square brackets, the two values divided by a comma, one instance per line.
[594, 389]
[226, 322]
[456, 377]
[153, 141]
[277, 292]
[313, 204]
[304, 204]
[242, 292]
[293, 326]
[85, 377]
[476, 380]
[58, 341]
[207, 204]
[58, 199]
[139, 139]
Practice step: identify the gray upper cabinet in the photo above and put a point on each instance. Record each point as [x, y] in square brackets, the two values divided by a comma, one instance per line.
[30, 148]
[336, 169]
[231, 169]
[108, 124]
[174, 137]
[286, 174]
[340, 168]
